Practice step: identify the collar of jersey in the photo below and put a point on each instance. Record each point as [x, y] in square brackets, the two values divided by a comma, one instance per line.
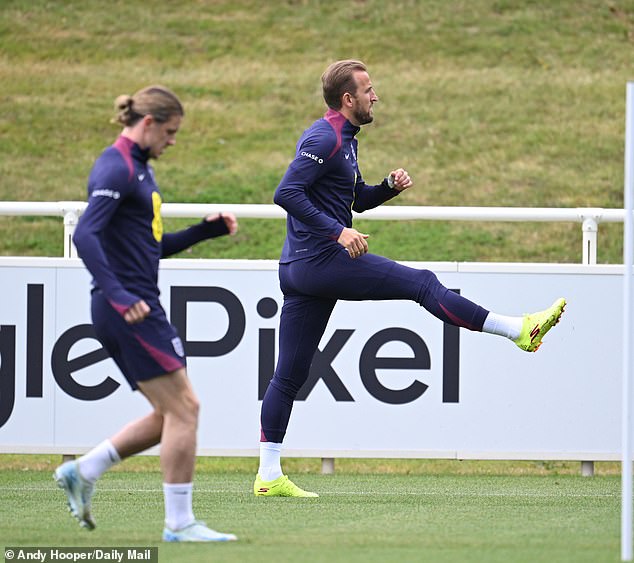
[337, 119]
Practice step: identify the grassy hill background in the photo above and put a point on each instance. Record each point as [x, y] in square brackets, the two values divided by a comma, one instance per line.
[485, 102]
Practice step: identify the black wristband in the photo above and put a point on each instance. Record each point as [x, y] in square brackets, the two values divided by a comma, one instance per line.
[215, 228]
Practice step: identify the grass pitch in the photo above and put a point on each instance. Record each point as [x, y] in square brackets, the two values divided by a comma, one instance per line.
[485, 103]
[438, 512]
[494, 103]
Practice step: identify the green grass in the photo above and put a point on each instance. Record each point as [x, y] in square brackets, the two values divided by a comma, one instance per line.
[486, 103]
[370, 510]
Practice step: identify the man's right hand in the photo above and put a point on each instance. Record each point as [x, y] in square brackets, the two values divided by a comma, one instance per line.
[137, 312]
[354, 242]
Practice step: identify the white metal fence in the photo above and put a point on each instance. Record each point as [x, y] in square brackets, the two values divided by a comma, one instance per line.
[588, 217]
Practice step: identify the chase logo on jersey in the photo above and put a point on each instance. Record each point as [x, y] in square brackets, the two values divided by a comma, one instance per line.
[114, 194]
[317, 159]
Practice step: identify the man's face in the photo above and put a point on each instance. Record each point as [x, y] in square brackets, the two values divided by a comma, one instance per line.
[159, 136]
[363, 99]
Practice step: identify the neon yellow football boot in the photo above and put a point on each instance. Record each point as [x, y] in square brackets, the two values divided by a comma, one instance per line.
[280, 487]
[536, 325]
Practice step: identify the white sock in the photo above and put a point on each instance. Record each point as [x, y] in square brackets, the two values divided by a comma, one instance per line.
[98, 460]
[178, 505]
[503, 326]
[270, 466]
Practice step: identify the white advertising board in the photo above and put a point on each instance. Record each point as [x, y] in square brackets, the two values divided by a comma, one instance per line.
[389, 379]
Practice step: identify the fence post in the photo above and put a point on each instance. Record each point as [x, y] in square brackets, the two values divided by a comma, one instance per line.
[327, 465]
[590, 228]
[71, 216]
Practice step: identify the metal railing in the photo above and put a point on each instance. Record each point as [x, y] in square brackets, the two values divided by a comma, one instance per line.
[588, 217]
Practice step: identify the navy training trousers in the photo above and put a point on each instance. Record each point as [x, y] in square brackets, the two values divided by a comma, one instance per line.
[311, 289]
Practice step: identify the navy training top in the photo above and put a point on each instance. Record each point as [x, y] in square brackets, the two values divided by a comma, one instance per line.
[120, 235]
[322, 186]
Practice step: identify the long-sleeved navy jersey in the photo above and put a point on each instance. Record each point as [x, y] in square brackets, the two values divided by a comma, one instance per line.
[322, 186]
[120, 235]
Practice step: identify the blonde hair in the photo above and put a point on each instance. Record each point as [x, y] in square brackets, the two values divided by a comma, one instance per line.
[338, 79]
[157, 101]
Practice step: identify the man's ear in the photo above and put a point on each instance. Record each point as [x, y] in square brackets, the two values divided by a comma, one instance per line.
[148, 120]
[346, 100]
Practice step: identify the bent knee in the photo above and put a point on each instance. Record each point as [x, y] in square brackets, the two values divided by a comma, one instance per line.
[428, 278]
[188, 408]
[184, 407]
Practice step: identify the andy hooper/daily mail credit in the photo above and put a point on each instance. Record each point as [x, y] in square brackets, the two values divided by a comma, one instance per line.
[118, 554]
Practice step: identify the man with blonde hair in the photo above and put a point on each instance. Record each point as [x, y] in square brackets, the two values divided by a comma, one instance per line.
[120, 239]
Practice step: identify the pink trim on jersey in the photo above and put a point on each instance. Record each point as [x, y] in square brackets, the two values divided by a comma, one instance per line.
[167, 362]
[124, 146]
[457, 320]
[121, 309]
[337, 121]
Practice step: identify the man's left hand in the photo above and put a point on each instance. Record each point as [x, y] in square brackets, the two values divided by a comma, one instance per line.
[400, 179]
[229, 218]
